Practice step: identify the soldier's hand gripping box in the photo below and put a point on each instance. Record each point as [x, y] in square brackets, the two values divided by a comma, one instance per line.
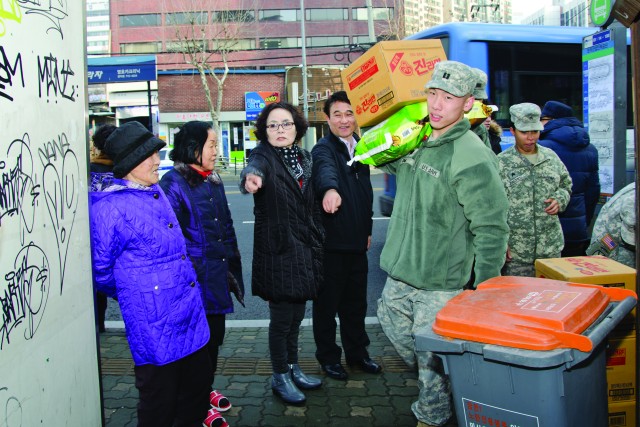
[390, 75]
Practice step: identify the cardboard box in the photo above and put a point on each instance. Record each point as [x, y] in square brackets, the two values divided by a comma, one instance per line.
[390, 75]
[621, 369]
[592, 270]
[622, 414]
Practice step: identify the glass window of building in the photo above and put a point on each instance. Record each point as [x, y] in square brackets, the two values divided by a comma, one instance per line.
[327, 14]
[236, 44]
[233, 16]
[187, 18]
[279, 15]
[178, 46]
[144, 47]
[280, 43]
[365, 39]
[97, 13]
[142, 20]
[321, 41]
[379, 13]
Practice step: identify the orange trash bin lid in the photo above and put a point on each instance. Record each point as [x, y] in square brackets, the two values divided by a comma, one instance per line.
[526, 312]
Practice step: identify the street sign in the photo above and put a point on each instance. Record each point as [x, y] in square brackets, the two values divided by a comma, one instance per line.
[600, 11]
[121, 69]
[254, 102]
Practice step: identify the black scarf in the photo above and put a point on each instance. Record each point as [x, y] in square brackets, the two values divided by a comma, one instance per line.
[291, 157]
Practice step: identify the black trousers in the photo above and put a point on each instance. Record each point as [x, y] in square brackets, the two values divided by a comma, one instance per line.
[343, 292]
[574, 249]
[176, 394]
[216, 332]
[284, 327]
[101, 303]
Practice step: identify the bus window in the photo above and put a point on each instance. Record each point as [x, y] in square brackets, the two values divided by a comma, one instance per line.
[534, 72]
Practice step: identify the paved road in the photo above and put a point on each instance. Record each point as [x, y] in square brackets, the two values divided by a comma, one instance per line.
[242, 212]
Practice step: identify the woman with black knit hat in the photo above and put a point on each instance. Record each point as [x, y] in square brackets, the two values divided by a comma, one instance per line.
[140, 257]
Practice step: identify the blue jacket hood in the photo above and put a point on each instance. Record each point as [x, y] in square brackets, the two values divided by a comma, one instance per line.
[567, 131]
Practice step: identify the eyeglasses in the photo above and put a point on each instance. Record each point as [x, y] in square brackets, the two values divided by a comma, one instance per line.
[285, 126]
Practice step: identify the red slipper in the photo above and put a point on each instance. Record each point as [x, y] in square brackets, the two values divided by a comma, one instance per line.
[214, 419]
[219, 402]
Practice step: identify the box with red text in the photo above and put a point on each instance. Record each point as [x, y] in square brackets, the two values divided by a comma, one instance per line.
[390, 75]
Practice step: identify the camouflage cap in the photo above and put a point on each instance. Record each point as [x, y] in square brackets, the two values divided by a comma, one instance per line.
[480, 91]
[628, 224]
[454, 77]
[526, 117]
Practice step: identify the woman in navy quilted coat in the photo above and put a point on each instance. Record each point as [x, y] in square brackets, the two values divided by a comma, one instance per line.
[140, 257]
[564, 134]
[197, 196]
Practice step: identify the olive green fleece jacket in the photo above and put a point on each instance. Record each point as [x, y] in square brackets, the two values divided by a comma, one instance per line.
[450, 206]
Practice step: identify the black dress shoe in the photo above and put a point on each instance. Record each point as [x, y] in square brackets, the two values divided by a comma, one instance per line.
[335, 371]
[367, 365]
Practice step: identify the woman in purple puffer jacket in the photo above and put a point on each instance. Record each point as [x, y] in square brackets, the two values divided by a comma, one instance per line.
[140, 257]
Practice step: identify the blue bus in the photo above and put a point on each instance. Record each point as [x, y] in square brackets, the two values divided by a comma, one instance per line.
[524, 63]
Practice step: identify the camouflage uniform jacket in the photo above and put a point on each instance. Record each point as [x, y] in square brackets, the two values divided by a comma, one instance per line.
[450, 205]
[534, 233]
[606, 239]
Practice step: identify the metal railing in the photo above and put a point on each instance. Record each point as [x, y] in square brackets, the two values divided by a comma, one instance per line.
[230, 165]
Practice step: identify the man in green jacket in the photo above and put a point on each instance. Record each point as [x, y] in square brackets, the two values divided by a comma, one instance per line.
[450, 206]
[538, 186]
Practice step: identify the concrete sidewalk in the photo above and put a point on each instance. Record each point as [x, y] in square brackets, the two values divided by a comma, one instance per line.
[244, 377]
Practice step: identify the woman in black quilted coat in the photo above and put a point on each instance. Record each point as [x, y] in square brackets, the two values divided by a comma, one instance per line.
[287, 251]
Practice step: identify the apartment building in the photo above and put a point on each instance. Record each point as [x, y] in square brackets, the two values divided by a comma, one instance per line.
[573, 13]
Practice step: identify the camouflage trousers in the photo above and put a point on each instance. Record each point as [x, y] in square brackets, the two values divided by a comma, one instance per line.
[402, 311]
[515, 268]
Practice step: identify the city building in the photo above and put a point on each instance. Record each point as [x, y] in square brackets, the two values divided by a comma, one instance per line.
[255, 46]
[573, 13]
[258, 41]
[98, 28]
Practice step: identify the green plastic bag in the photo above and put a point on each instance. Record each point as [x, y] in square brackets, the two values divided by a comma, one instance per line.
[394, 137]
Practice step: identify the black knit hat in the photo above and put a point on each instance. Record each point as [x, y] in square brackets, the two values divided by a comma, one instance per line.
[129, 145]
[556, 110]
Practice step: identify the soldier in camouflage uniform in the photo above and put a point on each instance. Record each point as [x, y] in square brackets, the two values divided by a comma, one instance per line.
[480, 94]
[538, 186]
[450, 205]
[614, 233]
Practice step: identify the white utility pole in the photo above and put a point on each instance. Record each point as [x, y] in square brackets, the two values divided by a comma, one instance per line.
[372, 31]
[307, 141]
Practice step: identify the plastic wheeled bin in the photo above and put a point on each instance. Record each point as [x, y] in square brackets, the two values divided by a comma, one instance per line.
[527, 352]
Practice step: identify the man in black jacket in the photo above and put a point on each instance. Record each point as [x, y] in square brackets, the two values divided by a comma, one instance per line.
[347, 205]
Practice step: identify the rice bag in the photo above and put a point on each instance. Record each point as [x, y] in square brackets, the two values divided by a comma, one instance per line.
[394, 137]
[479, 113]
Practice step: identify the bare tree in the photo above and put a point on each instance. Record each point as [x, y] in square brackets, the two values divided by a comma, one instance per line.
[206, 33]
[395, 27]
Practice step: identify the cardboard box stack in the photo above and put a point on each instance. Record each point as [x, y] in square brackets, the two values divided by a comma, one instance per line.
[621, 354]
[389, 76]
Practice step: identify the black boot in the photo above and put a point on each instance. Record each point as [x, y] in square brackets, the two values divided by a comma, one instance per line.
[302, 380]
[283, 387]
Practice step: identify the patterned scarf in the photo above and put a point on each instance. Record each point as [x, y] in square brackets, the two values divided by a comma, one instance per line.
[291, 157]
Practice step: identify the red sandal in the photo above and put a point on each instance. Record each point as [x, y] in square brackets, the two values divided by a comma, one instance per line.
[214, 419]
[219, 402]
